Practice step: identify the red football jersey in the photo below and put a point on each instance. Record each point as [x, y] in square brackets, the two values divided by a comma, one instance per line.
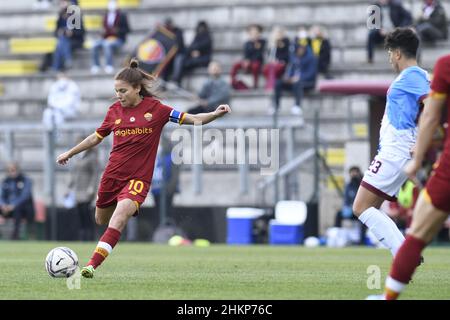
[441, 86]
[136, 137]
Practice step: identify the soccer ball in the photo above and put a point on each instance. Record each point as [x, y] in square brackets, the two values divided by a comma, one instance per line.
[61, 262]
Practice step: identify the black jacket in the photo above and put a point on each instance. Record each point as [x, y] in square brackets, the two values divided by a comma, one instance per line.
[17, 192]
[203, 43]
[438, 19]
[254, 50]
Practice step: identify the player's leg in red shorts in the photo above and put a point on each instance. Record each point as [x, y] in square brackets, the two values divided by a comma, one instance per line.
[136, 190]
[107, 195]
[438, 189]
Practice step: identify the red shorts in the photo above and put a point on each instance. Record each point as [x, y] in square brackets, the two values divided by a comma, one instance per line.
[112, 191]
[438, 188]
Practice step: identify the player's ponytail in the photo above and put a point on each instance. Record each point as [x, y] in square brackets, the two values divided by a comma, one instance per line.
[136, 76]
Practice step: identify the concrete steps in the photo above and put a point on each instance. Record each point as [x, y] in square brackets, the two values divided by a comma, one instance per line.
[25, 97]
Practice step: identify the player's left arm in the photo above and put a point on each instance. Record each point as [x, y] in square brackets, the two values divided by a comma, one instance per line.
[204, 118]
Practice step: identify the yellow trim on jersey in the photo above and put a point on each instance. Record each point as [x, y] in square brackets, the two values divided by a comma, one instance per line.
[426, 196]
[137, 205]
[182, 118]
[98, 135]
[438, 95]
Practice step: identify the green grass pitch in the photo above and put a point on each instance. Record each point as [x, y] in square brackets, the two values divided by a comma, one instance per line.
[148, 271]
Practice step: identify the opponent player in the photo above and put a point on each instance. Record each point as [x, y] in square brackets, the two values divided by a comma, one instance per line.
[433, 205]
[136, 120]
[384, 177]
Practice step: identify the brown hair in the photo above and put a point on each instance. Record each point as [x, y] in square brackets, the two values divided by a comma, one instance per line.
[136, 76]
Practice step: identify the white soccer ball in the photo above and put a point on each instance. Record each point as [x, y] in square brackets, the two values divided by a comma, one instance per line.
[61, 262]
[311, 242]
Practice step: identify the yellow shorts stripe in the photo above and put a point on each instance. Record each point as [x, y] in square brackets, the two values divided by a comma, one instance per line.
[137, 205]
[426, 196]
[438, 95]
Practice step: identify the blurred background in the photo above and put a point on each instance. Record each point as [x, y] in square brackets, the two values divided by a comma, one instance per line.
[57, 64]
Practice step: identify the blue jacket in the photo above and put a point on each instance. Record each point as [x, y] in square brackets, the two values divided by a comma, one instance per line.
[16, 191]
[305, 66]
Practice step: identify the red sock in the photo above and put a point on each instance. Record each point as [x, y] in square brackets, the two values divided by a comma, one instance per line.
[104, 247]
[407, 259]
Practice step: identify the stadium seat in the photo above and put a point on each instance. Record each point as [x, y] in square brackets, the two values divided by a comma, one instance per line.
[334, 156]
[91, 22]
[340, 181]
[360, 130]
[36, 45]
[287, 227]
[102, 4]
[18, 67]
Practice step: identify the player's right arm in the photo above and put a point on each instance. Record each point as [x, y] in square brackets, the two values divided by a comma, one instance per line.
[88, 143]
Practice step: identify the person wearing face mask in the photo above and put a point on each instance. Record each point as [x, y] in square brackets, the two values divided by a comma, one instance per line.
[115, 30]
[63, 101]
[351, 188]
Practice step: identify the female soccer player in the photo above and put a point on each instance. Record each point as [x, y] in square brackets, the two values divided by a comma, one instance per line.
[136, 120]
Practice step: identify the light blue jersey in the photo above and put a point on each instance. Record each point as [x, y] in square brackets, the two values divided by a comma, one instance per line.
[399, 126]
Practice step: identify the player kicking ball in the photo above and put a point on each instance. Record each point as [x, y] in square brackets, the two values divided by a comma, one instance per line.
[136, 120]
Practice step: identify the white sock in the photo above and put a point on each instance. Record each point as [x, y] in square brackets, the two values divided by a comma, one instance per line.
[383, 228]
[394, 285]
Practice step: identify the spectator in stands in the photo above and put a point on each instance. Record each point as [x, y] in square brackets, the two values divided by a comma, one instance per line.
[393, 15]
[198, 53]
[432, 24]
[83, 186]
[300, 75]
[321, 47]
[278, 56]
[69, 37]
[115, 29]
[167, 73]
[214, 91]
[16, 199]
[254, 50]
[302, 37]
[351, 188]
[63, 101]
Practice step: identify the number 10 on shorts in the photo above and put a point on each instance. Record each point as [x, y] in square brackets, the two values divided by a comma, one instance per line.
[136, 186]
